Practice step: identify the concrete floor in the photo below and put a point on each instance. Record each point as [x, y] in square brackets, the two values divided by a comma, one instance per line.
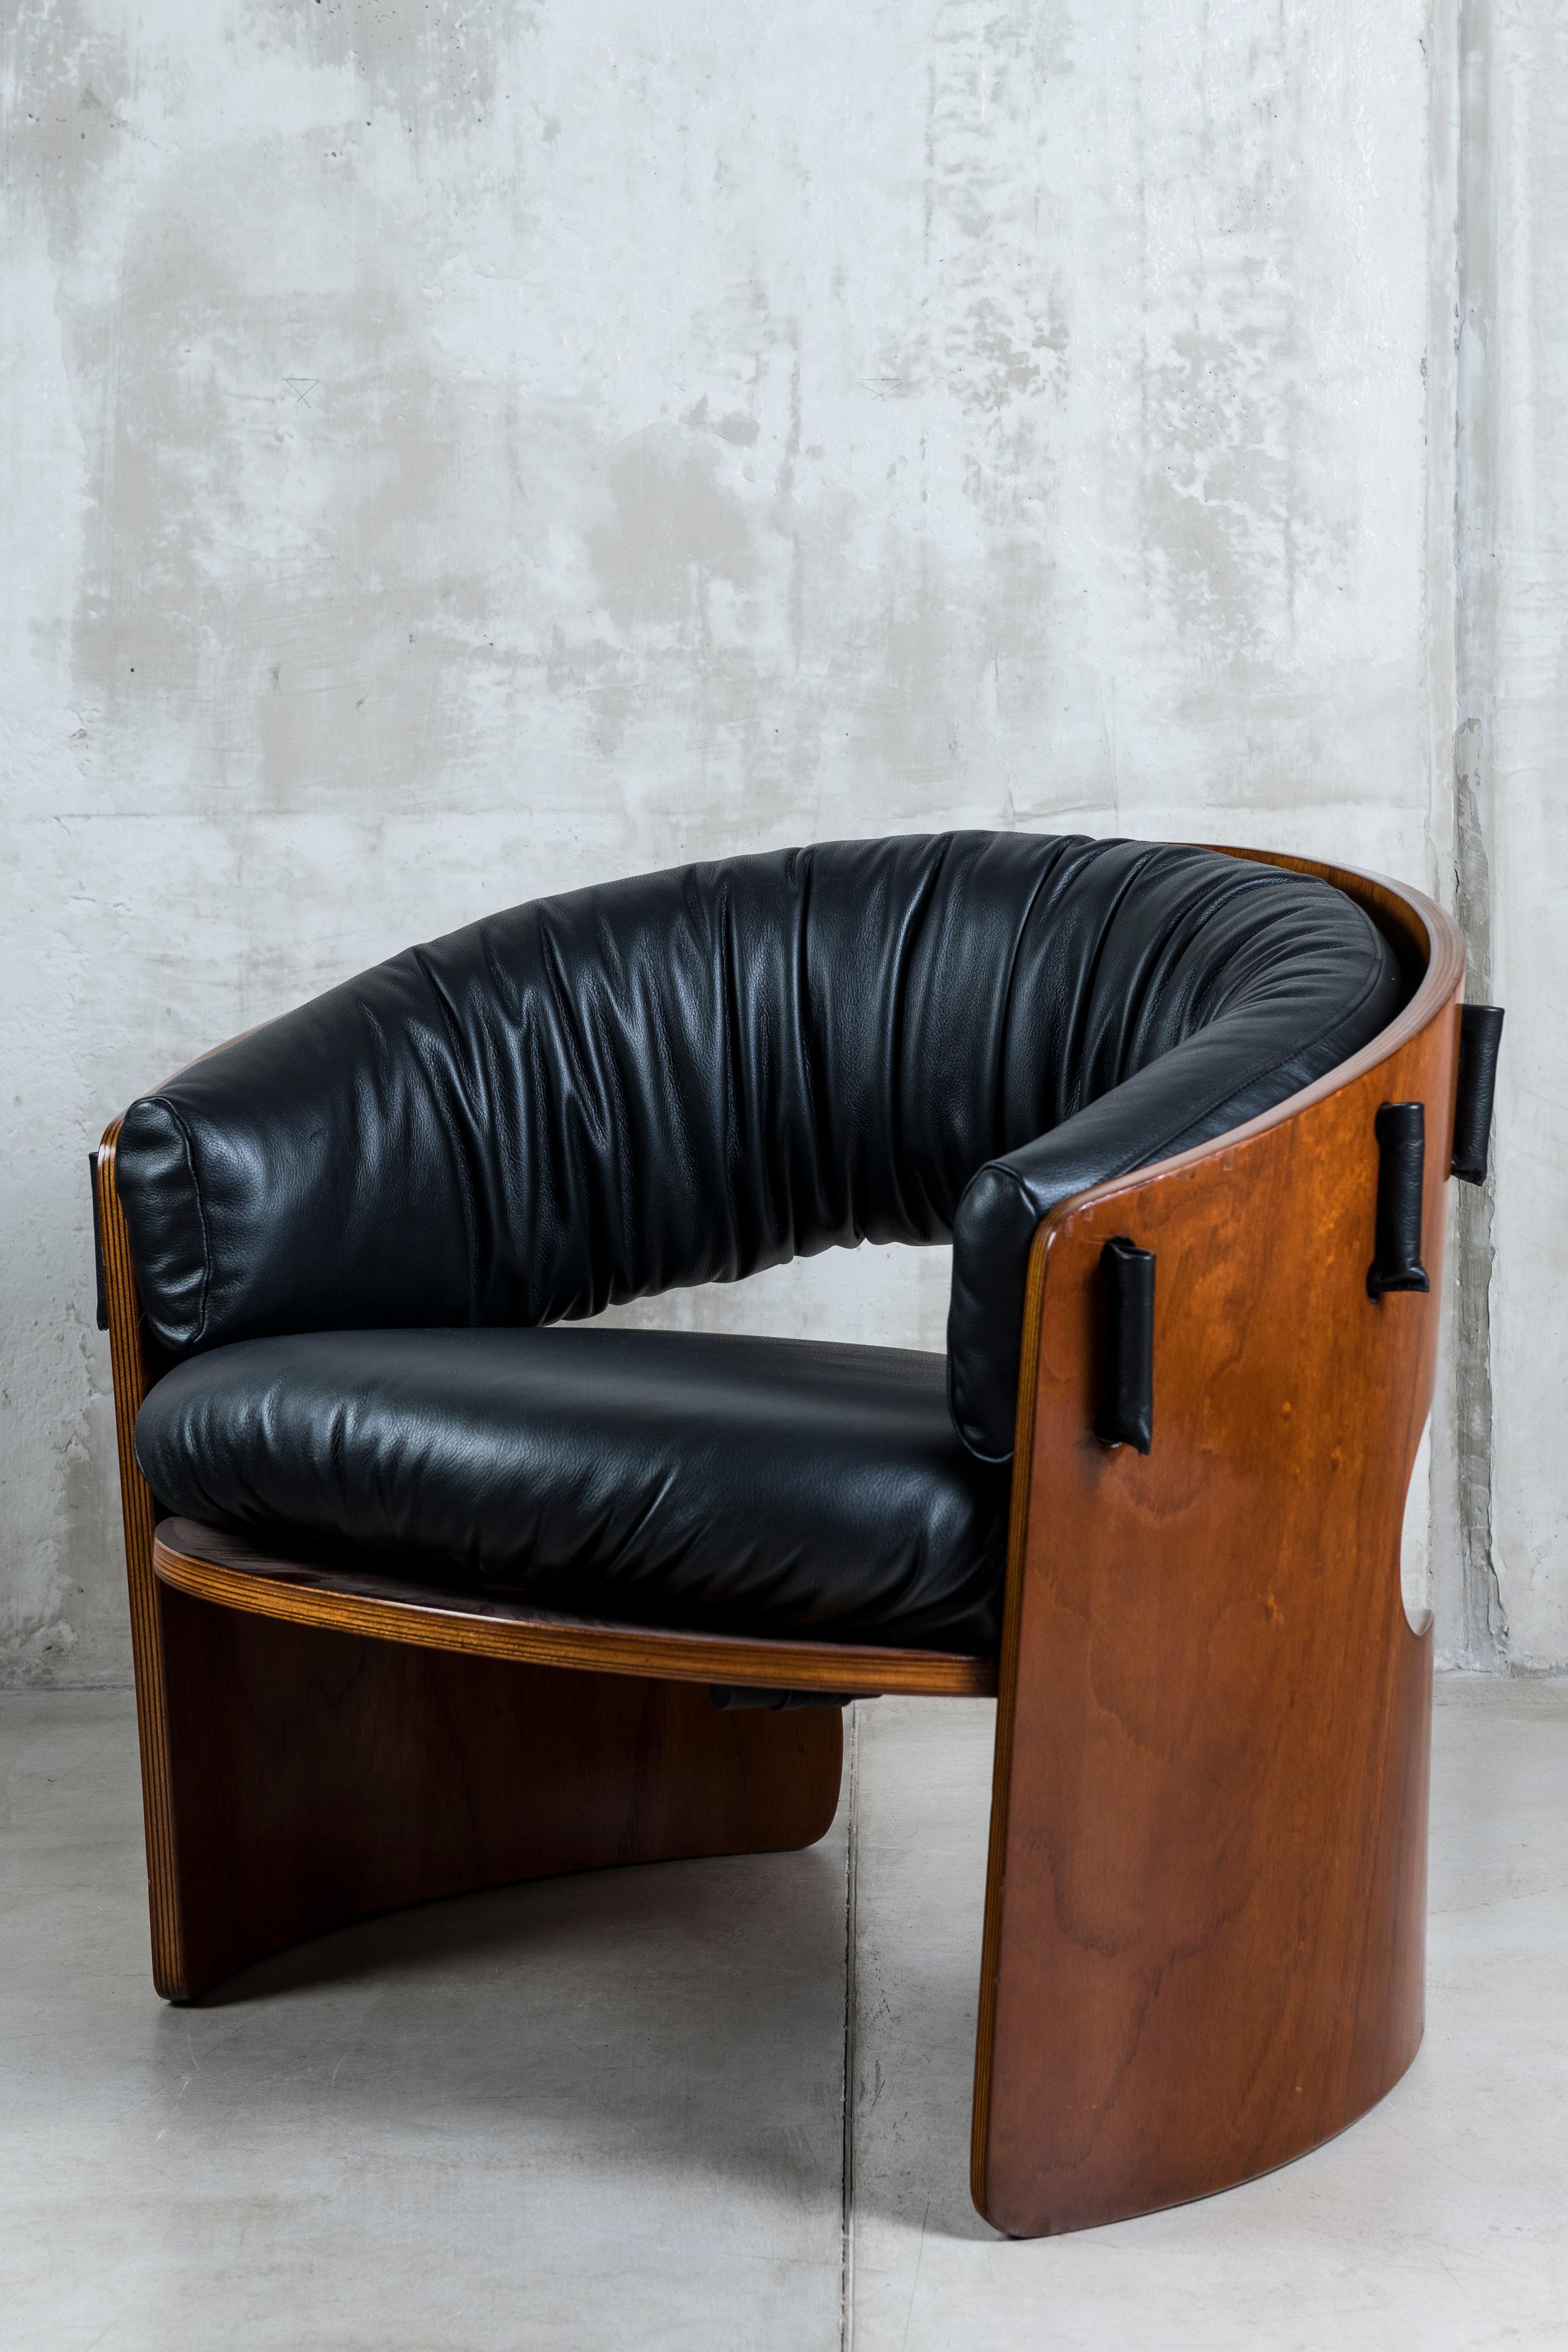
[609, 2111]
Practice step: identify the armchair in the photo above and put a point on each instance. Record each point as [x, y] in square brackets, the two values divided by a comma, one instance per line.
[431, 1590]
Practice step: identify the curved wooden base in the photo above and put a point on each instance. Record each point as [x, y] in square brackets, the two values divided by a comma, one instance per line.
[213, 1566]
[331, 1743]
[314, 1777]
[304, 1765]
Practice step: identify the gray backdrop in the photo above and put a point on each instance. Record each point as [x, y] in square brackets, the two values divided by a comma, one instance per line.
[456, 453]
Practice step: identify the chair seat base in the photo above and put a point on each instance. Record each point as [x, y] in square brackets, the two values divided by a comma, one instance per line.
[211, 1566]
[299, 1779]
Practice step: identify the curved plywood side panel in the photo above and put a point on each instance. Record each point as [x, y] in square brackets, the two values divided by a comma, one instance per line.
[299, 1771]
[1205, 1928]
[321, 1777]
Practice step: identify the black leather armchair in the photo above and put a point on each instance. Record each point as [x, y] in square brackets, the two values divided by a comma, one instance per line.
[436, 1583]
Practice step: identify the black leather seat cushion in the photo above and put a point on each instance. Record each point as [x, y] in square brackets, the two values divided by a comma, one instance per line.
[750, 1486]
[686, 1076]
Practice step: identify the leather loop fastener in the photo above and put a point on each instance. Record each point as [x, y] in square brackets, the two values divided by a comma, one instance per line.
[102, 1302]
[1126, 1414]
[1401, 1131]
[1480, 1035]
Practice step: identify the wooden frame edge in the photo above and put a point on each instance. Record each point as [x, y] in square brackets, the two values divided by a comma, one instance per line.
[138, 1511]
[206, 1564]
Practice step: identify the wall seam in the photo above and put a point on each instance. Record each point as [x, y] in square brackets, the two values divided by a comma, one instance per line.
[1482, 1634]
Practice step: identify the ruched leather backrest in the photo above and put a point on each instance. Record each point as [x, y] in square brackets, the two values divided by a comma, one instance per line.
[687, 1076]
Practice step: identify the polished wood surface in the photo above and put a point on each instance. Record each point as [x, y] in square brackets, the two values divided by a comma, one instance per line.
[1205, 1927]
[320, 1778]
[213, 1566]
[297, 1776]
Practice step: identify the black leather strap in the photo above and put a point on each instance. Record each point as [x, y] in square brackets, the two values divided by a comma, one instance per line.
[98, 1242]
[1401, 1130]
[1480, 1035]
[1126, 1414]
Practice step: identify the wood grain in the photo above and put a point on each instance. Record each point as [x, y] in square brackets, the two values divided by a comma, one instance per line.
[216, 1567]
[319, 1777]
[1205, 1926]
[298, 1776]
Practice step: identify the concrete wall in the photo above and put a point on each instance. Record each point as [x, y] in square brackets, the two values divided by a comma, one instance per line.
[1512, 802]
[461, 451]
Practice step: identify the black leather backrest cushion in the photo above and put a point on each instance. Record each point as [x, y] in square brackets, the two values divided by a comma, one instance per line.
[689, 1076]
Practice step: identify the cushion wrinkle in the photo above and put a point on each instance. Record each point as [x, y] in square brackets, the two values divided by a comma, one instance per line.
[687, 1076]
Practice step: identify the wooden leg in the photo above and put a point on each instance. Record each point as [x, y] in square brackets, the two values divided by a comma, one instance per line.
[1206, 1916]
[315, 1778]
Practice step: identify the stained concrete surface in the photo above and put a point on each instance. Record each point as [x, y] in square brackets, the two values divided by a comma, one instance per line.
[608, 2112]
